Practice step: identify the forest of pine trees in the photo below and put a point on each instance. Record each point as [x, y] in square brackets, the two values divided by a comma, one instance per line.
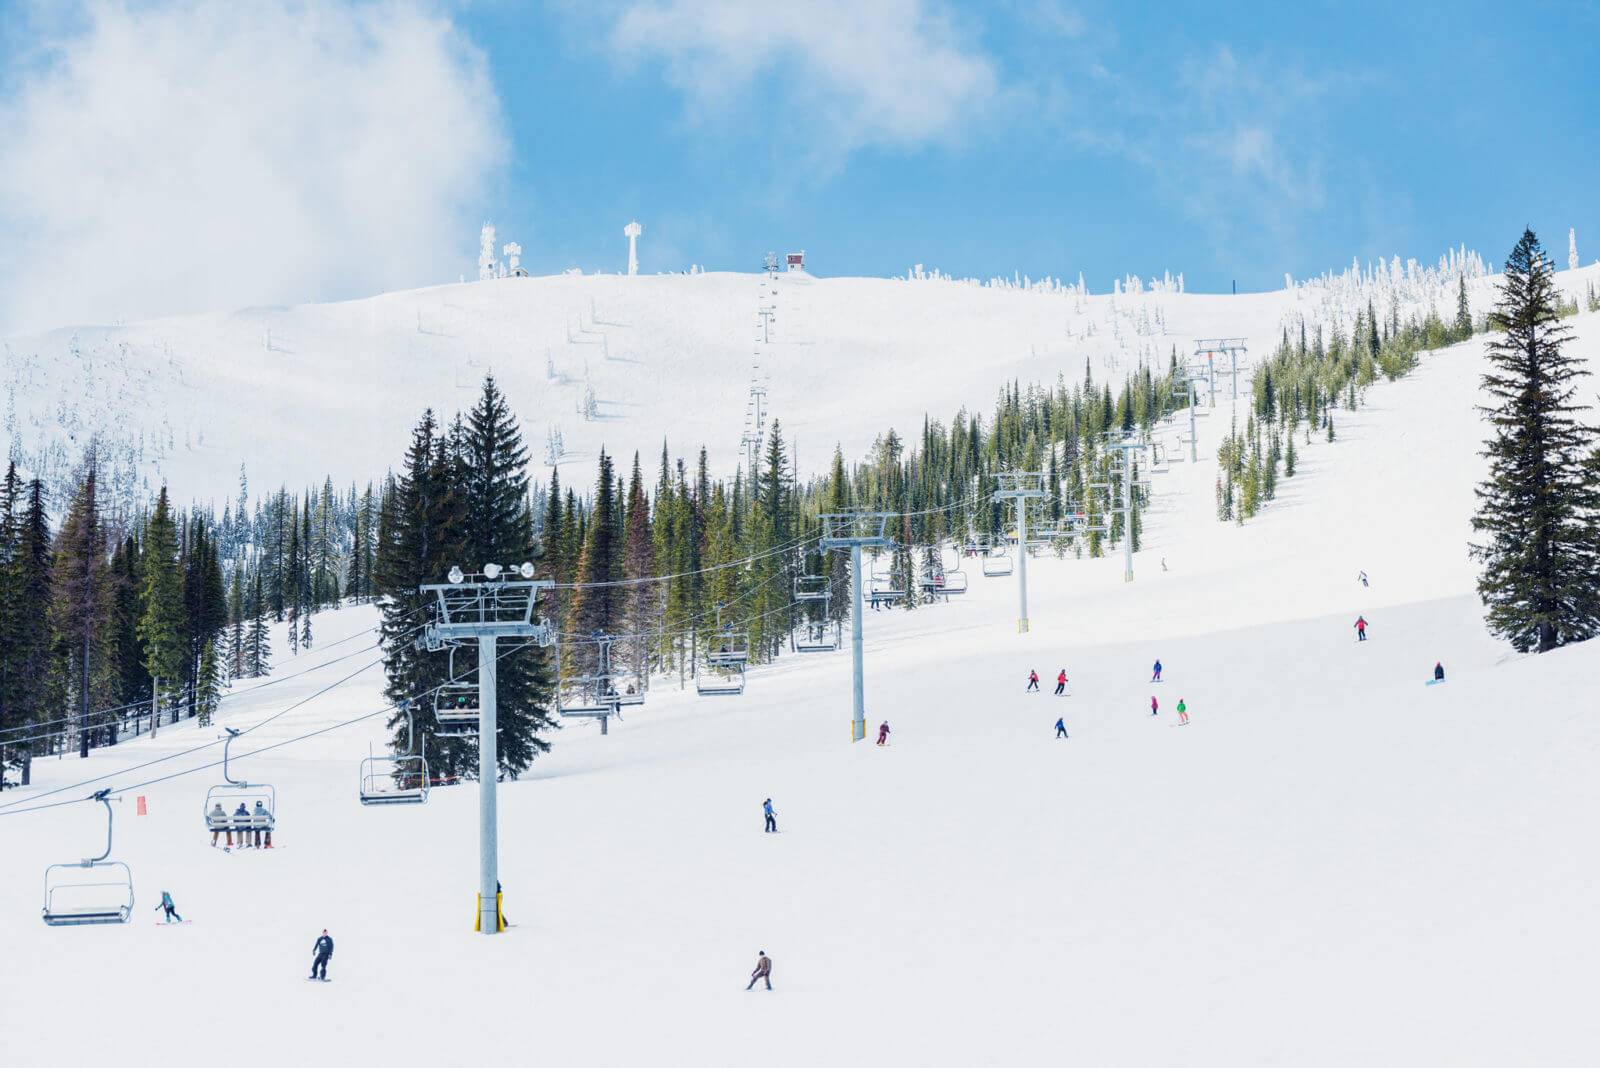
[1305, 379]
[103, 606]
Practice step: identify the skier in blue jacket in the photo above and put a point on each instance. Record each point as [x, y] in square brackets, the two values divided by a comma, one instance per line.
[1061, 727]
[772, 821]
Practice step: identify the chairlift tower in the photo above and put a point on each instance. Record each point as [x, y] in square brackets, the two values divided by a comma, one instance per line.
[1021, 486]
[855, 531]
[1186, 378]
[485, 608]
[1222, 346]
[1127, 445]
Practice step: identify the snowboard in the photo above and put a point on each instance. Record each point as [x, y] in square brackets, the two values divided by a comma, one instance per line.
[1433, 682]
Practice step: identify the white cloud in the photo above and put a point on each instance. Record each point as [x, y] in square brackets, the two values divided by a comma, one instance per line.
[890, 72]
[206, 155]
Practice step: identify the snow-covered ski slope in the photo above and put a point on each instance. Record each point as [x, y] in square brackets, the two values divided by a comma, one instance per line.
[298, 393]
[1334, 864]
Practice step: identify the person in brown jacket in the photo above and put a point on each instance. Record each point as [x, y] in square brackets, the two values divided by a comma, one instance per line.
[763, 970]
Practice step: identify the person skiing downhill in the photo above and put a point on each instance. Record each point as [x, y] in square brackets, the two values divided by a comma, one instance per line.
[1183, 712]
[1363, 577]
[1154, 705]
[772, 819]
[1061, 728]
[883, 733]
[171, 909]
[1361, 628]
[1438, 671]
[763, 970]
[1155, 673]
[322, 952]
[1033, 680]
[1061, 682]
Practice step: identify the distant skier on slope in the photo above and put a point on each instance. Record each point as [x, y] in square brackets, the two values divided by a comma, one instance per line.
[1033, 680]
[322, 952]
[1061, 682]
[171, 909]
[1155, 706]
[1155, 673]
[1061, 727]
[1183, 713]
[1438, 671]
[883, 733]
[763, 970]
[1363, 577]
[1361, 628]
[772, 819]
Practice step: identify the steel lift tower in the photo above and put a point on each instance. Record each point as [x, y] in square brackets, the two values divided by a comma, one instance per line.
[485, 608]
[1021, 487]
[856, 531]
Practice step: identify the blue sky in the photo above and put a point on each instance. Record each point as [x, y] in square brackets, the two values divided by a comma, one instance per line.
[168, 156]
[1237, 143]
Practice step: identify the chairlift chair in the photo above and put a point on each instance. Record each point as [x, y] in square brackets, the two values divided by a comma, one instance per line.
[998, 564]
[812, 588]
[232, 792]
[719, 680]
[818, 639]
[730, 650]
[397, 780]
[94, 890]
[455, 709]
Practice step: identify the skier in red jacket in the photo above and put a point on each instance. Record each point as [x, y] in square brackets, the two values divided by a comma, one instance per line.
[1153, 705]
[1033, 680]
[1061, 682]
[883, 733]
[1361, 628]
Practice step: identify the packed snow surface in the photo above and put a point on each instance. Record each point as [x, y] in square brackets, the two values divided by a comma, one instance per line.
[1333, 864]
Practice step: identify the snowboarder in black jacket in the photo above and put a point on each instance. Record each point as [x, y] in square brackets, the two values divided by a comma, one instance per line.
[322, 950]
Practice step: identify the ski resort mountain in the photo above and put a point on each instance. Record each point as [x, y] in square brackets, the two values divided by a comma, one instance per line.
[1333, 863]
[294, 394]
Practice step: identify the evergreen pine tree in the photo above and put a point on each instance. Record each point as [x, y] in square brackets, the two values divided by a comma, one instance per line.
[1539, 509]
[258, 642]
[497, 527]
[162, 623]
[83, 584]
[208, 684]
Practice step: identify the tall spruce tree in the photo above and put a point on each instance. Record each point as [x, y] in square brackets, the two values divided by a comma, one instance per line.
[421, 546]
[31, 688]
[83, 585]
[1539, 510]
[497, 527]
[161, 625]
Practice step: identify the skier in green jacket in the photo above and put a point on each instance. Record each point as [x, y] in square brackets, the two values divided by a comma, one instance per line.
[1183, 713]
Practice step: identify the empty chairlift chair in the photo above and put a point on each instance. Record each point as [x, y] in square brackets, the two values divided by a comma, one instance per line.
[397, 780]
[95, 890]
[997, 562]
[258, 800]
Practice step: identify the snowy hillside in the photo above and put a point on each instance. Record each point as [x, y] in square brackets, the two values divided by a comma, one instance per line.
[1333, 864]
[300, 393]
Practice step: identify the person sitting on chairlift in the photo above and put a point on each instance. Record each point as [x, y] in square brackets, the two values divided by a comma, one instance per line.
[218, 818]
[241, 820]
[263, 822]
